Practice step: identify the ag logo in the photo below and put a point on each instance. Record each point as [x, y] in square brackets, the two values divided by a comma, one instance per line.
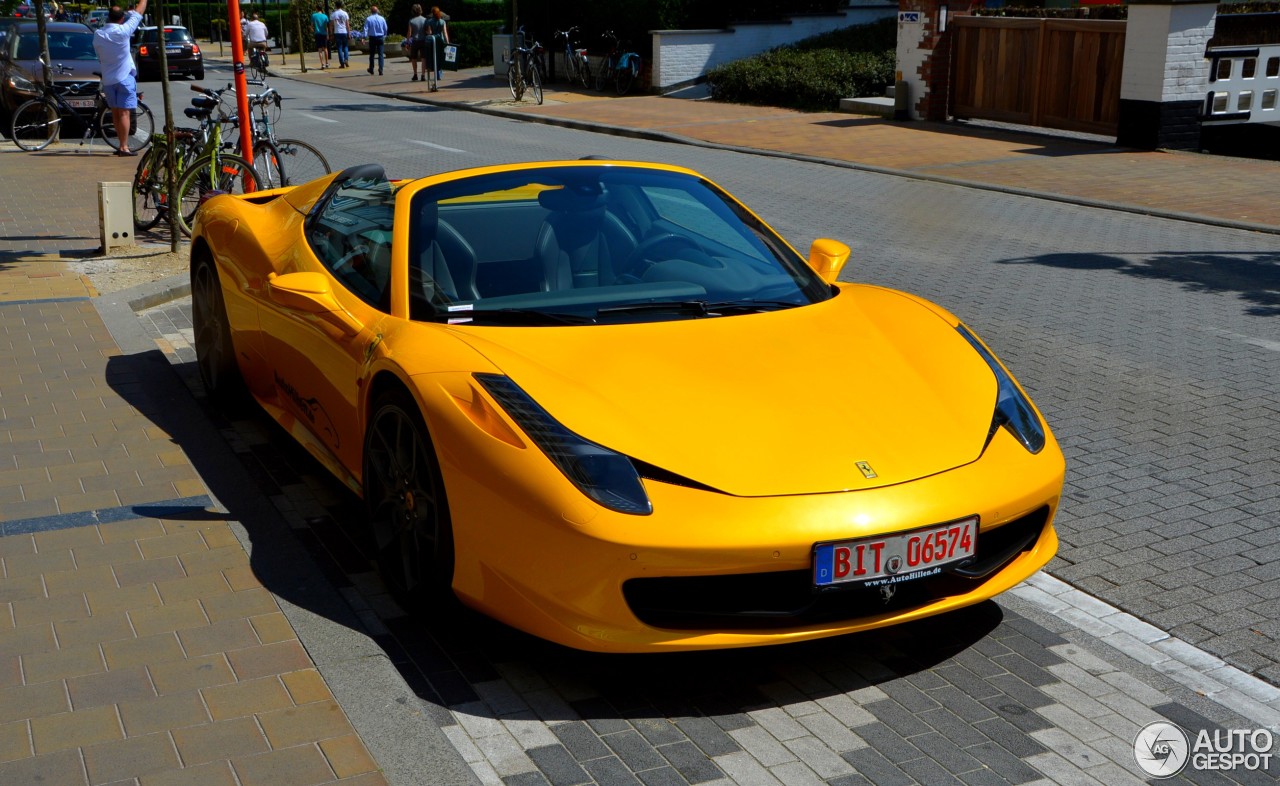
[1160, 749]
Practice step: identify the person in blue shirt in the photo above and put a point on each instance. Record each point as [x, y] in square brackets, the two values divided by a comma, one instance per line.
[320, 25]
[119, 74]
[375, 32]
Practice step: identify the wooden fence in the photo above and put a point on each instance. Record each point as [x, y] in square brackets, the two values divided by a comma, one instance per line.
[1058, 73]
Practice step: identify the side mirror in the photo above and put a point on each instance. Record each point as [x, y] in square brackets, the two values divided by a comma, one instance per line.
[827, 258]
[310, 294]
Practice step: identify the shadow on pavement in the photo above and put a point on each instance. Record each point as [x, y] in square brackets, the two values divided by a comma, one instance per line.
[1253, 277]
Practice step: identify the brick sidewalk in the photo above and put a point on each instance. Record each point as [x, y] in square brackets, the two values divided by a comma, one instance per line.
[137, 644]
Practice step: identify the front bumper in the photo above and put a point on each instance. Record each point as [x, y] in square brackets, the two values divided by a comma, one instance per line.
[535, 553]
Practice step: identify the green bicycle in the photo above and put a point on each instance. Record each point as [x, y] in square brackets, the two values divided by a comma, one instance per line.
[202, 166]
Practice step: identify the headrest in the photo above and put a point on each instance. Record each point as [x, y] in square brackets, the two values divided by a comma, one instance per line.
[572, 198]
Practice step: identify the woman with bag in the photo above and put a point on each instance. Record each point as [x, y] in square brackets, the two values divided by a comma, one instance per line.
[439, 36]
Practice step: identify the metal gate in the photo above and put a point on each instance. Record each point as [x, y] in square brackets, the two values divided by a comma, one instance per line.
[1057, 73]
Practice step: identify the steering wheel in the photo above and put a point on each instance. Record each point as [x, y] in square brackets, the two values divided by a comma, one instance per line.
[346, 265]
[643, 255]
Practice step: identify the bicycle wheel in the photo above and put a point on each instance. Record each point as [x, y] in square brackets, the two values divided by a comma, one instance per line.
[142, 125]
[584, 71]
[627, 77]
[267, 164]
[302, 163]
[230, 175]
[35, 125]
[515, 80]
[602, 76]
[535, 81]
[150, 188]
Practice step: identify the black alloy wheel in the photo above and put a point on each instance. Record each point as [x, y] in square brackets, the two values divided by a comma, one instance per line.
[215, 355]
[405, 499]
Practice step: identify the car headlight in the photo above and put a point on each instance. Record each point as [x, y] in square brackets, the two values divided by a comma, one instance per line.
[21, 84]
[1013, 410]
[604, 475]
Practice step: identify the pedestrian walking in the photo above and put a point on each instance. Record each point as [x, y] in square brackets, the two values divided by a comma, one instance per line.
[320, 24]
[341, 33]
[417, 38]
[119, 73]
[375, 32]
[438, 35]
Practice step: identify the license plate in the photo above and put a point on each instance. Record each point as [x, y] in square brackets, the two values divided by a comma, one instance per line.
[173, 50]
[891, 559]
[82, 103]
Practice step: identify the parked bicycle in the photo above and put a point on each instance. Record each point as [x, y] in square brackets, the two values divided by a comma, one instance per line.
[620, 66]
[201, 165]
[577, 65]
[297, 161]
[525, 69]
[36, 123]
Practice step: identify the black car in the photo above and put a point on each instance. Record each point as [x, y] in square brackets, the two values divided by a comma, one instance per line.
[70, 45]
[183, 53]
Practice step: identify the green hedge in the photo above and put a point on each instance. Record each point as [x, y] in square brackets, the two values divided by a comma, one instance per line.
[813, 74]
[475, 42]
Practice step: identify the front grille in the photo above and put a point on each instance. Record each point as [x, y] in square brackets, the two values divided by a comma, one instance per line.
[788, 599]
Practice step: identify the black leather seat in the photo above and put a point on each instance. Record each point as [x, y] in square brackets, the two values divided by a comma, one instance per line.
[443, 262]
[580, 244]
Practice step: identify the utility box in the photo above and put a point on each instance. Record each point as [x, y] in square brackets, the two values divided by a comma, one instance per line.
[115, 215]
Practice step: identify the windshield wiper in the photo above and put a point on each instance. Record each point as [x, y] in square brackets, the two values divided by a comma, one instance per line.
[515, 316]
[702, 308]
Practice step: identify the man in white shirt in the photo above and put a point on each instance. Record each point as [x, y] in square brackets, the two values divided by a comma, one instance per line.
[119, 74]
[256, 31]
[341, 30]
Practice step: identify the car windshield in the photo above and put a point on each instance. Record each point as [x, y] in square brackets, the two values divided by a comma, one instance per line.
[172, 35]
[595, 245]
[63, 46]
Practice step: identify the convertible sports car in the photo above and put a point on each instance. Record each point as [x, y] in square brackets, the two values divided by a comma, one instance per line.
[605, 403]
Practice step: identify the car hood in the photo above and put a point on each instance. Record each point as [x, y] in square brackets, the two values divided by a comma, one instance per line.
[81, 71]
[787, 402]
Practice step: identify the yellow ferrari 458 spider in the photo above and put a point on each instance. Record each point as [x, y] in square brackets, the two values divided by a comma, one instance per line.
[605, 403]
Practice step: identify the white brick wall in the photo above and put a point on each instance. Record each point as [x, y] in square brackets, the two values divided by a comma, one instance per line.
[911, 55]
[684, 56]
[1164, 52]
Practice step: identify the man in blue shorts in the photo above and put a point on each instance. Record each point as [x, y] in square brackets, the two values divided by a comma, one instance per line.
[119, 74]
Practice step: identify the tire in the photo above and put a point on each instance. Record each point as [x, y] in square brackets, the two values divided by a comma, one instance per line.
[405, 499]
[231, 176]
[535, 77]
[302, 163]
[198, 75]
[515, 80]
[150, 182]
[142, 126]
[35, 125]
[626, 78]
[602, 76]
[215, 354]
[584, 72]
[267, 164]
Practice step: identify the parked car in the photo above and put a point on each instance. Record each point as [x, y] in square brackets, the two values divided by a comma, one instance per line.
[97, 18]
[581, 396]
[183, 53]
[70, 44]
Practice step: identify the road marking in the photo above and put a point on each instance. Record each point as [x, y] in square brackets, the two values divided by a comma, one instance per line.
[1267, 344]
[437, 147]
[318, 117]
